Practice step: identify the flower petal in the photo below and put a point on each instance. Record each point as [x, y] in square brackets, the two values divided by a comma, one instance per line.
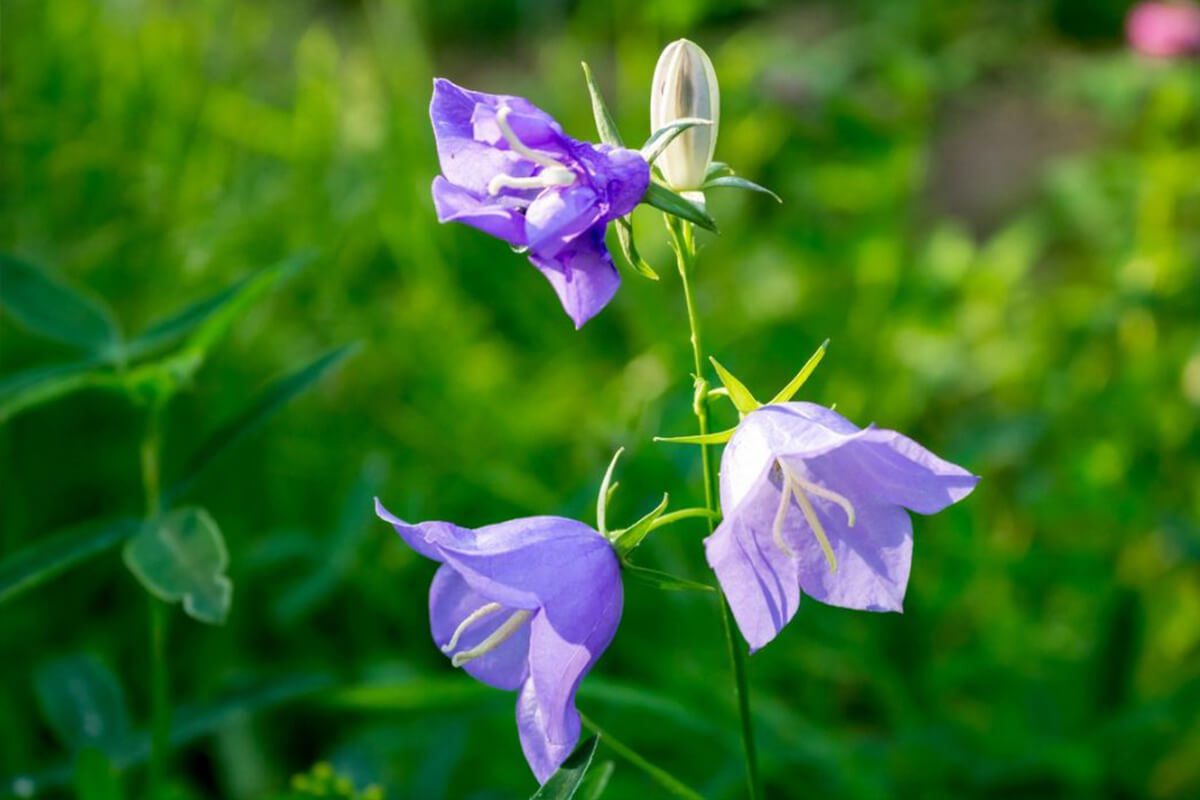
[583, 276]
[561, 654]
[892, 467]
[757, 576]
[558, 216]
[620, 176]
[544, 756]
[420, 537]
[451, 601]
[465, 161]
[456, 204]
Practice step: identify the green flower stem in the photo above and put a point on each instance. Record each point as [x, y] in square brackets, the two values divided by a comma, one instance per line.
[685, 251]
[682, 514]
[160, 709]
[659, 775]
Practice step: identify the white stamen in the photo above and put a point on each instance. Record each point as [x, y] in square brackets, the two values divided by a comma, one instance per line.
[497, 638]
[798, 487]
[834, 497]
[785, 496]
[517, 145]
[472, 618]
[550, 176]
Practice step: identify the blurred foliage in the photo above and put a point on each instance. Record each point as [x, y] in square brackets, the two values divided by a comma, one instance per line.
[990, 208]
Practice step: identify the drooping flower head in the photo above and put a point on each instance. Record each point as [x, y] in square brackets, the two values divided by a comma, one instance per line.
[527, 605]
[1164, 30]
[814, 504]
[509, 170]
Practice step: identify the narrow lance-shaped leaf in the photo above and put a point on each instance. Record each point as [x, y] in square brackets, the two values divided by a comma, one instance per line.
[34, 387]
[741, 397]
[629, 249]
[268, 402]
[793, 386]
[605, 494]
[625, 541]
[665, 200]
[720, 437]
[662, 580]
[182, 557]
[734, 182]
[563, 784]
[50, 555]
[605, 126]
[658, 141]
[48, 306]
[596, 781]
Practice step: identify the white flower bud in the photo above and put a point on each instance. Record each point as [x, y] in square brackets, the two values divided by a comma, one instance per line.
[685, 85]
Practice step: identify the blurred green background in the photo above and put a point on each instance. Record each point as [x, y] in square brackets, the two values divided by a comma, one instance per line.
[992, 209]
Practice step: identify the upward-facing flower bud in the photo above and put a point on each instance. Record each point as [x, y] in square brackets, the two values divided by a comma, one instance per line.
[685, 85]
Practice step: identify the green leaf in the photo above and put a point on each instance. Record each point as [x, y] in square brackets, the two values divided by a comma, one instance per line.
[658, 141]
[49, 307]
[662, 580]
[793, 386]
[595, 782]
[741, 397]
[672, 203]
[629, 249]
[717, 169]
[215, 317]
[605, 126]
[95, 778]
[625, 541]
[605, 494]
[734, 182]
[265, 404]
[83, 703]
[182, 556]
[53, 554]
[563, 784]
[720, 437]
[34, 387]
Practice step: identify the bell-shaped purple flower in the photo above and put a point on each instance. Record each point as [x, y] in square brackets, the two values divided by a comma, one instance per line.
[527, 605]
[813, 503]
[509, 170]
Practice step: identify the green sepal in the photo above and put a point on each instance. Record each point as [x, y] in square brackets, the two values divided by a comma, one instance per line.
[720, 437]
[739, 395]
[182, 557]
[662, 580]
[717, 169]
[627, 539]
[676, 205]
[661, 138]
[605, 494]
[793, 386]
[629, 248]
[605, 126]
[734, 182]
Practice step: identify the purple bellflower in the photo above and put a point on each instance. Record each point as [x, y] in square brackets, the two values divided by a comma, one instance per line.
[527, 605]
[509, 170]
[813, 503]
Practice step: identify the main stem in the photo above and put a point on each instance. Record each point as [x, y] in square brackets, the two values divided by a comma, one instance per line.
[160, 709]
[685, 250]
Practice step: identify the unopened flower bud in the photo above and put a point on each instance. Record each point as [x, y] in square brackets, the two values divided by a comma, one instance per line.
[685, 85]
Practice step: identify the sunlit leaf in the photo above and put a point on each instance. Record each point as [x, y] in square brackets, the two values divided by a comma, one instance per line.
[563, 784]
[741, 397]
[50, 555]
[720, 437]
[45, 305]
[734, 182]
[675, 204]
[793, 386]
[83, 703]
[182, 556]
[265, 404]
[661, 138]
[605, 126]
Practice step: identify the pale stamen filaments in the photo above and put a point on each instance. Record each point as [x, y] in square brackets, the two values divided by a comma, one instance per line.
[552, 174]
[795, 486]
[472, 618]
[494, 639]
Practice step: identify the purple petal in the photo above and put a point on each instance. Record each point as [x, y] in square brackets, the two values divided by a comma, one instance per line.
[420, 537]
[535, 128]
[558, 216]
[583, 276]
[465, 161]
[455, 204]
[620, 176]
[560, 655]
[890, 467]
[544, 756]
[758, 578]
[451, 600]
